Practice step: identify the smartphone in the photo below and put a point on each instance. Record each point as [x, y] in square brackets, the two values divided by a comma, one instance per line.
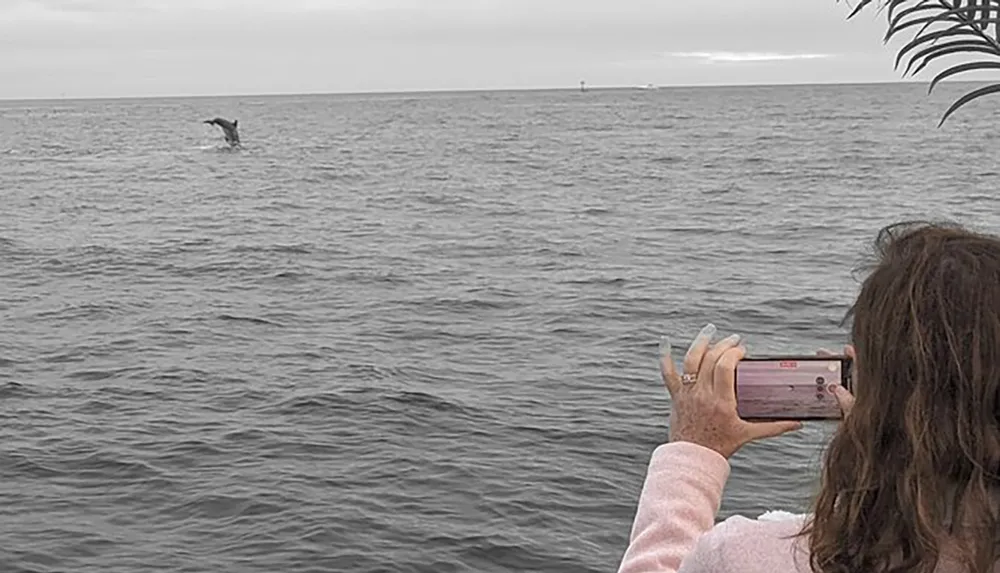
[790, 387]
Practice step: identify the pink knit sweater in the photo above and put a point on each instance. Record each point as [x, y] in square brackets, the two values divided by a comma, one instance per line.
[675, 528]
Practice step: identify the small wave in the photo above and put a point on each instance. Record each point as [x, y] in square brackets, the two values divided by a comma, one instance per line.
[223, 149]
[174, 374]
[291, 276]
[250, 319]
[218, 506]
[95, 407]
[480, 551]
[240, 399]
[11, 244]
[248, 435]
[372, 401]
[610, 281]
[300, 249]
[563, 435]
[550, 252]
[370, 372]
[669, 159]
[456, 305]
[104, 465]
[132, 393]
[427, 401]
[191, 452]
[93, 375]
[88, 311]
[772, 137]
[441, 199]
[14, 390]
[376, 277]
[18, 466]
[802, 303]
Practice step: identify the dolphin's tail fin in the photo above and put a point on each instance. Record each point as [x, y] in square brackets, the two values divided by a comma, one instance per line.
[236, 122]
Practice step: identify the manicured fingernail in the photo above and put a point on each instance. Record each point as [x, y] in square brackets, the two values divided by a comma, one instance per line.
[708, 331]
[664, 346]
[733, 338]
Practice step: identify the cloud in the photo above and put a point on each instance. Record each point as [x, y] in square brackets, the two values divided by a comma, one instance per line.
[192, 7]
[747, 57]
[15, 13]
[91, 5]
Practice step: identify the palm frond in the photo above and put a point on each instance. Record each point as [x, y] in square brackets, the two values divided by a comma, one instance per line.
[944, 28]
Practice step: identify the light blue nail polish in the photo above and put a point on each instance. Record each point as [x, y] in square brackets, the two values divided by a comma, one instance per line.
[734, 338]
[708, 331]
[664, 346]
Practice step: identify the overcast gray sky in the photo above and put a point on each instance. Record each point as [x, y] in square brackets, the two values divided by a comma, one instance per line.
[107, 48]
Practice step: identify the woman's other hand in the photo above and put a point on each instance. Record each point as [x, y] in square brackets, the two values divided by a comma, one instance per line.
[844, 397]
[703, 409]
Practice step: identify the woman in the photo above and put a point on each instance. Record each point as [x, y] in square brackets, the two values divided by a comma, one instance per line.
[911, 479]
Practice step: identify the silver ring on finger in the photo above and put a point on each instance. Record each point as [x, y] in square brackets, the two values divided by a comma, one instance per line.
[688, 379]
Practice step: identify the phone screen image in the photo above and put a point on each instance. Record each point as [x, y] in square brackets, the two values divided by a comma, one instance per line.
[790, 388]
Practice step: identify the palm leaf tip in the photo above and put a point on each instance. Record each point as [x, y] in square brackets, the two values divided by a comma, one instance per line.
[858, 8]
[975, 94]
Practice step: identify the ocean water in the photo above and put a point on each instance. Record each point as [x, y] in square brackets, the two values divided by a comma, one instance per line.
[418, 332]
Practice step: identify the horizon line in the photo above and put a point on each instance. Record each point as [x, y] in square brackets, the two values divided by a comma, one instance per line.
[439, 91]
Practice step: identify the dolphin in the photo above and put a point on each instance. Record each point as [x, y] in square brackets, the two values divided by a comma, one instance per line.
[229, 128]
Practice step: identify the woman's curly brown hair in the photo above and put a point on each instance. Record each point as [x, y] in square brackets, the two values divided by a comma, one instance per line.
[913, 472]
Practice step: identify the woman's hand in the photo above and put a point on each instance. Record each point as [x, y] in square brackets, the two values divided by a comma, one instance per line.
[703, 409]
[844, 397]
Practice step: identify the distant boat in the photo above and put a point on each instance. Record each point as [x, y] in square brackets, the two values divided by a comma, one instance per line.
[647, 87]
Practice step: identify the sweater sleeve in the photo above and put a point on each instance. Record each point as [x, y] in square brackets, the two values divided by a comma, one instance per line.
[678, 503]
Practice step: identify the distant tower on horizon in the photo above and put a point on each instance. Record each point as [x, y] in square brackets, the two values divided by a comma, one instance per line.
[583, 86]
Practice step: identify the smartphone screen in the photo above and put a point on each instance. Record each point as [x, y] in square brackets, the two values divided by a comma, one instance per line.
[790, 387]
